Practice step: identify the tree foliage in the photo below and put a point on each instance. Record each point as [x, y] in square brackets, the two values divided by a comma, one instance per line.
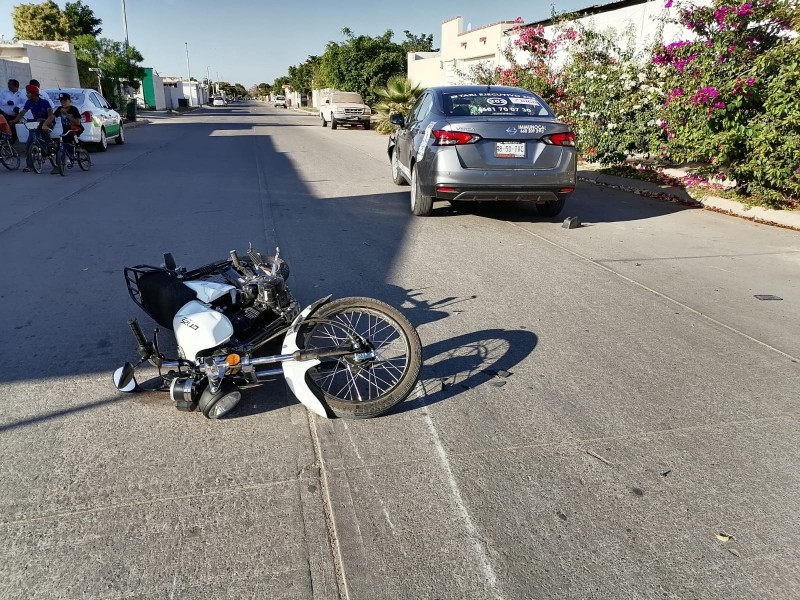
[397, 97]
[115, 61]
[46, 21]
[302, 77]
[363, 63]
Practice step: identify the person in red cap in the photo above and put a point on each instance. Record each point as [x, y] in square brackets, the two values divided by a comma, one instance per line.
[41, 110]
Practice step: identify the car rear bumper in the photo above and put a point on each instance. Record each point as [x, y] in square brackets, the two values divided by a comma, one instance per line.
[490, 194]
[447, 179]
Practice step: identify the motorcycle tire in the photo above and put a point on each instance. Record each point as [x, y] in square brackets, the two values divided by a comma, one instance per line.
[360, 389]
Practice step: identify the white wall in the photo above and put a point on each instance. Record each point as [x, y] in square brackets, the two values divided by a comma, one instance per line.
[51, 66]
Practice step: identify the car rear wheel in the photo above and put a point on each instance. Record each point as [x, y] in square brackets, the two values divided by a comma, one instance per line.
[421, 205]
[121, 135]
[102, 146]
[324, 122]
[551, 209]
[397, 176]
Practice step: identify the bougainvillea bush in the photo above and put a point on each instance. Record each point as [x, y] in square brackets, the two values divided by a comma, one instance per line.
[594, 80]
[612, 95]
[731, 95]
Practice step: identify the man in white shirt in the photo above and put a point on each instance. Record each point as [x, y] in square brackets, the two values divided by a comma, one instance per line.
[11, 101]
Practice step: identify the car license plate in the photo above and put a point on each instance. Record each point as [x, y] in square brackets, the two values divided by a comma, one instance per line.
[510, 150]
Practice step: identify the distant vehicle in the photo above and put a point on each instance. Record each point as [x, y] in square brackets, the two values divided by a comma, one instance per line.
[279, 101]
[483, 143]
[345, 108]
[99, 117]
[218, 101]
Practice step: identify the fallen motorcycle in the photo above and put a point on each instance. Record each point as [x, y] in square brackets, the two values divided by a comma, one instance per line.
[352, 357]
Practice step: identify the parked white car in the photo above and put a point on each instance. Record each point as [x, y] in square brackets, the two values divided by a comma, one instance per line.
[99, 117]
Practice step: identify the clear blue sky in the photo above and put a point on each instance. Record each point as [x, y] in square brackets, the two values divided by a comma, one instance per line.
[252, 41]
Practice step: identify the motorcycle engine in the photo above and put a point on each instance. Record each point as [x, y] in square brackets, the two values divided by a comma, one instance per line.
[263, 299]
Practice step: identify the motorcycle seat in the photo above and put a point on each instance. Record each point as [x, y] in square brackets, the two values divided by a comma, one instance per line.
[163, 295]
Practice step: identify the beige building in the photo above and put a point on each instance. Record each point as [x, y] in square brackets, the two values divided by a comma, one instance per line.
[462, 50]
[52, 63]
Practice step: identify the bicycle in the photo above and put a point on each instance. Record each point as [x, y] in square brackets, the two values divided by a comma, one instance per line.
[69, 154]
[8, 154]
[40, 148]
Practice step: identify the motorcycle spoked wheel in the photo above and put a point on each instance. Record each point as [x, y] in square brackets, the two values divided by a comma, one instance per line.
[360, 390]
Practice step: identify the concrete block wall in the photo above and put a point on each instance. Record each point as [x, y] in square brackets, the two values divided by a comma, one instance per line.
[54, 67]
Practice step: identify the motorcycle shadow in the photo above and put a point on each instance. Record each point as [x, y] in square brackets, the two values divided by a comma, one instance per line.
[454, 366]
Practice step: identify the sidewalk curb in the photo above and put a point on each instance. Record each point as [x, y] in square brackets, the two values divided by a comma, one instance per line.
[788, 219]
[135, 124]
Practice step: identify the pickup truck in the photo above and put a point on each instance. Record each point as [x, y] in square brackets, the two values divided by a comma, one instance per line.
[344, 108]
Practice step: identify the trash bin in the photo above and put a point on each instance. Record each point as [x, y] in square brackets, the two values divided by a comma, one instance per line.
[130, 110]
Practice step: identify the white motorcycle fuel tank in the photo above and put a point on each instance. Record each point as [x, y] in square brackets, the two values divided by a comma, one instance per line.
[197, 326]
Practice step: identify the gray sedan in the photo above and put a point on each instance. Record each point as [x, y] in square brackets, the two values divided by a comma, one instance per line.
[483, 143]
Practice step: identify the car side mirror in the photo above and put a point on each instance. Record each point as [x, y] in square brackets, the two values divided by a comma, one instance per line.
[114, 106]
[398, 120]
[327, 101]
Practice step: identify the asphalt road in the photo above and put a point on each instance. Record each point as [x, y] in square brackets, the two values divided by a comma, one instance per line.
[644, 445]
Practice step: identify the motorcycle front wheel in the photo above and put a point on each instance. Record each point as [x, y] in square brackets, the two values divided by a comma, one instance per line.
[382, 373]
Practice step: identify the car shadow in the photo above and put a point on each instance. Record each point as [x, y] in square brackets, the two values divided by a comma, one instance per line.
[591, 203]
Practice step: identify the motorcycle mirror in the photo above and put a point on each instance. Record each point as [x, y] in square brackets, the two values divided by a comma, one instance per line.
[169, 261]
[124, 379]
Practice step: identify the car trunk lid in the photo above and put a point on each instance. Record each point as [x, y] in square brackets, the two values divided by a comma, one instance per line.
[510, 143]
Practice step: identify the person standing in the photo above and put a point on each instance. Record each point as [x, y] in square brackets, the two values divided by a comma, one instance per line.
[11, 101]
[41, 110]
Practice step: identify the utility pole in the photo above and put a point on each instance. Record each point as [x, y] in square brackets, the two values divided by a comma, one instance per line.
[189, 71]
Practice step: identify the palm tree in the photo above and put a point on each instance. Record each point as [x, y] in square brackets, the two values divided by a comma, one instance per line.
[398, 96]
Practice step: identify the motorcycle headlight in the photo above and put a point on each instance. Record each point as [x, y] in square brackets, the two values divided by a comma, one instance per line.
[217, 404]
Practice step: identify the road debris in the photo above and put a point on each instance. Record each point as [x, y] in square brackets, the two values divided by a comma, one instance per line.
[598, 457]
[571, 223]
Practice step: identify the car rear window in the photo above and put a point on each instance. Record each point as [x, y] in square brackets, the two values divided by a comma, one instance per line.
[352, 97]
[494, 104]
[77, 97]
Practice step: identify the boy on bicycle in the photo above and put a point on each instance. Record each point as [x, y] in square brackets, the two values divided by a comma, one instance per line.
[70, 122]
[40, 109]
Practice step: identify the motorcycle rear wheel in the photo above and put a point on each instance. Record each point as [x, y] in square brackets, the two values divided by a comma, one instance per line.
[360, 389]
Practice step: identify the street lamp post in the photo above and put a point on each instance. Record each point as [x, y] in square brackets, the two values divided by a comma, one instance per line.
[189, 71]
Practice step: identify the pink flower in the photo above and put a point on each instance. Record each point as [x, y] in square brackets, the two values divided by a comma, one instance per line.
[668, 4]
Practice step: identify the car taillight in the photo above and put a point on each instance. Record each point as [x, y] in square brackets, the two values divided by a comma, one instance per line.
[87, 117]
[453, 138]
[560, 139]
